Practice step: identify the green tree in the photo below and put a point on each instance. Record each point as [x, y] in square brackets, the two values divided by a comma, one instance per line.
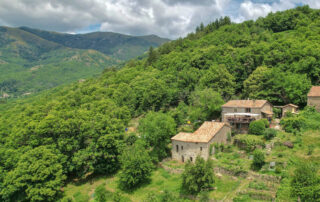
[136, 167]
[305, 183]
[100, 157]
[156, 129]
[205, 105]
[258, 160]
[152, 56]
[197, 177]
[257, 127]
[218, 78]
[37, 177]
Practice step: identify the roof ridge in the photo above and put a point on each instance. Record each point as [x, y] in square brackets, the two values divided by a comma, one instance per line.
[203, 134]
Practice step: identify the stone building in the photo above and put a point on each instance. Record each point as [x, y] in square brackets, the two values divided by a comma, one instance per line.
[239, 113]
[187, 146]
[289, 108]
[314, 97]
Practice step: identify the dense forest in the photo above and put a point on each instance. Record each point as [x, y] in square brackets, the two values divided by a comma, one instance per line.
[80, 130]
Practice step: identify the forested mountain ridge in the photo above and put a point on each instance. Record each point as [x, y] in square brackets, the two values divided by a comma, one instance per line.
[81, 127]
[33, 60]
[118, 46]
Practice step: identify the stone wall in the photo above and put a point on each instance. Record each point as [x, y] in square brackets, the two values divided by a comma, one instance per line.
[266, 107]
[188, 150]
[314, 101]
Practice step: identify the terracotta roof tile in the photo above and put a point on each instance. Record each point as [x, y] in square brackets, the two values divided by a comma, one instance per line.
[314, 91]
[245, 103]
[204, 134]
[290, 105]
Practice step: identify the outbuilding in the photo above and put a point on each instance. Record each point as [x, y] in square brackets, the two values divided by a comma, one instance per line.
[289, 108]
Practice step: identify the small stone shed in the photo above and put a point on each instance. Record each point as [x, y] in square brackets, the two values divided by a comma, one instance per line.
[187, 146]
[314, 97]
[289, 108]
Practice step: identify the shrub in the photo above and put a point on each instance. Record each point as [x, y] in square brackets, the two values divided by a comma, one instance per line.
[118, 197]
[266, 122]
[276, 112]
[131, 139]
[229, 137]
[270, 133]
[258, 160]
[278, 170]
[292, 124]
[204, 197]
[257, 127]
[310, 149]
[136, 167]
[101, 194]
[197, 177]
[248, 142]
[168, 196]
[305, 183]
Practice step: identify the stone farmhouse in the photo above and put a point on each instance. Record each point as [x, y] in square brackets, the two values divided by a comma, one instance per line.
[314, 97]
[187, 146]
[239, 113]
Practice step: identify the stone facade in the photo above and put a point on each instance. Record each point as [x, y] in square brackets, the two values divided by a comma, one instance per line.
[239, 113]
[289, 108]
[315, 102]
[184, 150]
[266, 107]
[314, 97]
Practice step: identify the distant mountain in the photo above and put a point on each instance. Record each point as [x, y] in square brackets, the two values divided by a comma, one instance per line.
[119, 46]
[33, 60]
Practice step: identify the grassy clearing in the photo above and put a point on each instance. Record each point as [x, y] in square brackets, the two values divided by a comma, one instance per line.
[161, 180]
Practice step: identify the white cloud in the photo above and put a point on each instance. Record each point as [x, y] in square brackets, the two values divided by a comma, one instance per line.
[250, 10]
[167, 18]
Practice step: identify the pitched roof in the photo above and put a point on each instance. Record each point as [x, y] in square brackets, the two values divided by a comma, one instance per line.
[314, 91]
[245, 103]
[267, 112]
[204, 134]
[291, 105]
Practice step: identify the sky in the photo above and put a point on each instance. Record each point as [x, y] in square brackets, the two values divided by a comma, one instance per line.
[165, 18]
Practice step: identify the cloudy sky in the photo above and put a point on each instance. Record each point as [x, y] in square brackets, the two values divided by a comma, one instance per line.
[166, 18]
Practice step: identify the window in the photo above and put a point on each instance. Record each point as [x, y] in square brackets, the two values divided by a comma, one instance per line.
[182, 158]
[248, 110]
[200, 148]
[235, 110]
[177, 147]
[190, 158]
[181, 147]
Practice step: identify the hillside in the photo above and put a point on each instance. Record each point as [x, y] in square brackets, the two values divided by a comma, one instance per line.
[78, 132]
[34, 60]
[118, 46]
